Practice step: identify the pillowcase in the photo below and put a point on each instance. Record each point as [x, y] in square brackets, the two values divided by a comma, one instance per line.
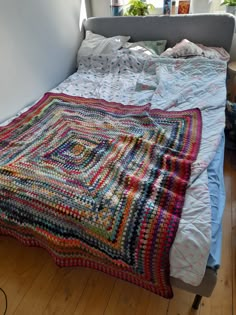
[95, 44]
[183, 49]
[186, 49]
[214, 52]
[148, 47]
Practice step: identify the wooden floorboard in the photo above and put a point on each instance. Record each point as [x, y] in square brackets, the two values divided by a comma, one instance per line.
[28, 266]
[181, 304]
[96, 295]
[41, 291]
[71, 285]
[10, 253]
[127, 299]
[35, 285]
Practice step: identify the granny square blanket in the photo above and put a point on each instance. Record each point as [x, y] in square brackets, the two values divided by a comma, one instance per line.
[99, 184]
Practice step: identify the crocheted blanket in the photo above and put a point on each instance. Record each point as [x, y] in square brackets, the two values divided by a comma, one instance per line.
[98, 184]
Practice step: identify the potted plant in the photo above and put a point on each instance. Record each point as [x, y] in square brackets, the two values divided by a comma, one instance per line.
[138, 7]
[230, 6]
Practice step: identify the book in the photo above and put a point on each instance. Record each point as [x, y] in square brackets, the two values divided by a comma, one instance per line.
[166, 7]
[184, 7]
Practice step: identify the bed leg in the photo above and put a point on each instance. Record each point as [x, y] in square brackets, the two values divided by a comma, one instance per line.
[197, 302]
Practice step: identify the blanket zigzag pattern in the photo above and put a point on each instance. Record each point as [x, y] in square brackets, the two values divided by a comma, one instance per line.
[98, 184]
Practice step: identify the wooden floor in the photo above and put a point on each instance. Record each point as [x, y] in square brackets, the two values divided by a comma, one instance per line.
[35, 285]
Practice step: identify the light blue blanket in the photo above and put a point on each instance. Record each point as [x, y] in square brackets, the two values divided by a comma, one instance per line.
[217, 194]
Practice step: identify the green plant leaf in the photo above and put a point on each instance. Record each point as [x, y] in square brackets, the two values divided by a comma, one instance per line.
[137, 7]
[229, 2]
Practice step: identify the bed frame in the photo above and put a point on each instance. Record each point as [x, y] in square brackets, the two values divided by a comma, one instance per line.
[215, 30]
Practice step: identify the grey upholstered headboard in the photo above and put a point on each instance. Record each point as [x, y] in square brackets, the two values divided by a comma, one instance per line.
[208, 29]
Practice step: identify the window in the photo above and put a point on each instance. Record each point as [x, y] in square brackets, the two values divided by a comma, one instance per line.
[197, 6]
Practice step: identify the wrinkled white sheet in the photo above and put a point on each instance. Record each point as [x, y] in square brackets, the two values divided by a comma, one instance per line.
[169, 84]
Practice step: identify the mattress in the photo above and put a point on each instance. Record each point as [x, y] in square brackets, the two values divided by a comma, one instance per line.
[167, 84]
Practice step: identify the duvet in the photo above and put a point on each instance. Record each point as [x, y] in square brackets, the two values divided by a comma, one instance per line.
[168, 84]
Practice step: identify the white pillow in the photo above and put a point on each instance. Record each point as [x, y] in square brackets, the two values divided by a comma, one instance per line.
[95, 44]
[184, 49]
[214, 52]
[187, 49]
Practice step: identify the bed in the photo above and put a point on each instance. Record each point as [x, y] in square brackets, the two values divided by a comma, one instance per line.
[150, 93]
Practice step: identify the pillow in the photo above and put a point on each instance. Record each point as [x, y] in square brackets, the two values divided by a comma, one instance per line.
[214, 52]
[95, 44]
[183, 49]
[188, 49]
[148, 47]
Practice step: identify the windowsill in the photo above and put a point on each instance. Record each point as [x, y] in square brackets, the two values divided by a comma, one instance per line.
[159, 11]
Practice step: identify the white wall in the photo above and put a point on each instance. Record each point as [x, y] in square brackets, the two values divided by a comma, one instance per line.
[38, 45]
[100, 7]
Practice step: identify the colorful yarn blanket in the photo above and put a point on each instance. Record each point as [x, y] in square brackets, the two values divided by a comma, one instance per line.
[98, 184]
